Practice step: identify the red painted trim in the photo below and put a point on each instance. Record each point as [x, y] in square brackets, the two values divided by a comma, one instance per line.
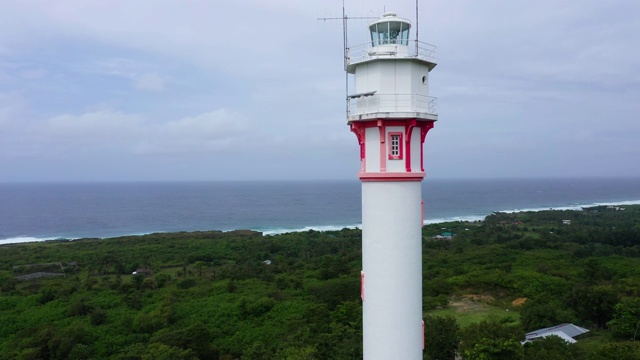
[363, 163]
[390, 122]
[394, 176]
[362, 285]
[424, 129]
[408, 130]
[383, 161]
[423, 334]
[422, 157]
[400, 146]
[359, 130]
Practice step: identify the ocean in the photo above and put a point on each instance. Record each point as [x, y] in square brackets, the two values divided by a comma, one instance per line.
[46, 211]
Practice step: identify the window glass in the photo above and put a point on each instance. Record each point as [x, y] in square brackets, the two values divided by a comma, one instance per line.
[395, 29]
[395, 145]
[383, 28]
[405, 36]
[374, 35]
[391, 32]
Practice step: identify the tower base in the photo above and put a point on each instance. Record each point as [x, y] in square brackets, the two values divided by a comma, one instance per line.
[392, 269]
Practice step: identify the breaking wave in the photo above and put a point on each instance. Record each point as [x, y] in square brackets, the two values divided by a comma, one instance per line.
[282, 230]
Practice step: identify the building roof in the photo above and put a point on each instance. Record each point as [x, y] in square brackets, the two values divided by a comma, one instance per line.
[564, 331]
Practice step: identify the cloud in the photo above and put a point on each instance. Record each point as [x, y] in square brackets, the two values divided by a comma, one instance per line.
[515, 80]
[149, 82]
[96, 127]
[17, 131]
[136, 71]
[217, 131]
[114, 131]
[175, 30]
[12, 107]
[33, 74]
[12, 70]
[5, 111]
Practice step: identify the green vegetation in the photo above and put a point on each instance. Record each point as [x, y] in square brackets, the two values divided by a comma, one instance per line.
[214, 295]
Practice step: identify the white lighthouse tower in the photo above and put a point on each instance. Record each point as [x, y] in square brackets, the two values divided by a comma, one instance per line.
[391, 113]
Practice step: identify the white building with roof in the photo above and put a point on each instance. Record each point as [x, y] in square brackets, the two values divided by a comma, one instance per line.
[567, 332]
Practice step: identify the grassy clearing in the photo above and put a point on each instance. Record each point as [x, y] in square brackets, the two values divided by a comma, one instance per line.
[469, 310]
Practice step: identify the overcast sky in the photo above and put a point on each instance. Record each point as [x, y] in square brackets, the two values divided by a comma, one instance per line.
[254, 89]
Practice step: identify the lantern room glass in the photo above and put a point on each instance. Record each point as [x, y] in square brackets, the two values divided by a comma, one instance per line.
[390, 32]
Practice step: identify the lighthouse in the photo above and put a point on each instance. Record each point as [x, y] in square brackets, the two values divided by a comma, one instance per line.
[390, 113]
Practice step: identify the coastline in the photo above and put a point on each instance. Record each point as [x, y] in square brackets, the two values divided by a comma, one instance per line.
[283, 230]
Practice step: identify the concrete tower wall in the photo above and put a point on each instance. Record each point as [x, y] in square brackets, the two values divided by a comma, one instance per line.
[398, 84]
[372, 152]
[392, 270]
[391, 76]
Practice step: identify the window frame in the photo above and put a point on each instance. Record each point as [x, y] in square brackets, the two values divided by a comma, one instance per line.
[390, 151]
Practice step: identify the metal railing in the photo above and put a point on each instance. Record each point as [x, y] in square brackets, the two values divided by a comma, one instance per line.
[394, 48]
[373, 103]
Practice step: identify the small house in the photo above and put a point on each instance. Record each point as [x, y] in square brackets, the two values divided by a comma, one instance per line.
[447, 235]
[567, 332]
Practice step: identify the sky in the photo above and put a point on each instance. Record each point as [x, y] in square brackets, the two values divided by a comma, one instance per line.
[181, 90]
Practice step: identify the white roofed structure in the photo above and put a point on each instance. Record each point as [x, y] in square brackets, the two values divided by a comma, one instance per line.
[567, 332]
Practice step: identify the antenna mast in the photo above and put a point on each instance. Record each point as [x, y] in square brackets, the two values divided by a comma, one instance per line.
[345, 41]
[417, 17]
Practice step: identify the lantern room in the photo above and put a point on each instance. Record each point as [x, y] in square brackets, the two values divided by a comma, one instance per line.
[391, 73]
[389, 29]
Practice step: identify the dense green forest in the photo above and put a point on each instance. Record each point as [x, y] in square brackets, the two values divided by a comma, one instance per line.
[242, 295]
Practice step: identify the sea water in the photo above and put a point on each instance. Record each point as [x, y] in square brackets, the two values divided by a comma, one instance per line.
[43, 211]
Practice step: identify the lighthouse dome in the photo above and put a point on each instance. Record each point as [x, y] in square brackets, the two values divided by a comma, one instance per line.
[390, 30]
